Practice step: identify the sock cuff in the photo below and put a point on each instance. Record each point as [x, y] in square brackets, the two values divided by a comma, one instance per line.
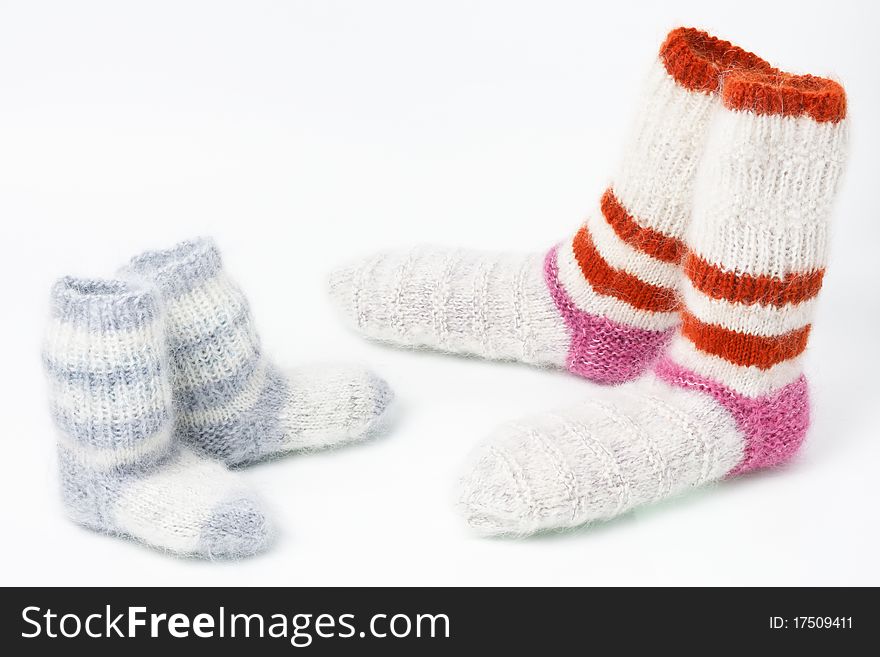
[102, 304]
[774, 93]
[697, 60]
[178, 269]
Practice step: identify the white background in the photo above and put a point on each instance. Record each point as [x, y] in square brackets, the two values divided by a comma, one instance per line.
[302, 134]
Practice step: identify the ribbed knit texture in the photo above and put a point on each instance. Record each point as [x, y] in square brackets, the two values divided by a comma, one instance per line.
[493, 305]
[729, 394]
[122, 470]
[231, 401]
[603, 303]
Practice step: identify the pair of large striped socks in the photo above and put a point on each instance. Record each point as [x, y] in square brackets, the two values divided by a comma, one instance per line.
[158, 380]
[700, 270]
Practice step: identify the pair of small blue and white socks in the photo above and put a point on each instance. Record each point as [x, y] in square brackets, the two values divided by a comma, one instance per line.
[158, 382]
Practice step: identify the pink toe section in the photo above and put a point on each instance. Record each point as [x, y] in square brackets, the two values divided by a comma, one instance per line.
[602, 350]
[774, 425]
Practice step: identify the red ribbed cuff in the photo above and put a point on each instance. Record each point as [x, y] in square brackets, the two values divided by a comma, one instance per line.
[697, 60]
[821, 99]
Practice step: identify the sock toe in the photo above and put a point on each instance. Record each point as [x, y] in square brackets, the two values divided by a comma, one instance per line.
[234, 529]
[381, 397]
[491, 498]
[332, 405]
[362, 400]
[546, 472]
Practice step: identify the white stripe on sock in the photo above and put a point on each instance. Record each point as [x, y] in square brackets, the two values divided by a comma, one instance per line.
[749, 381]
[194, 315]
[586, 298]
[754, 319]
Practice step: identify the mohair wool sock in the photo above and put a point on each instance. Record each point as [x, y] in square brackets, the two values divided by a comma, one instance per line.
[122, 470]
[603, 303]
[729, 394]
[231, 400]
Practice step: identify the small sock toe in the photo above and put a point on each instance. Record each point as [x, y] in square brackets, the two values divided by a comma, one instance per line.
[332, 405]
[235, 529]
[377, 397]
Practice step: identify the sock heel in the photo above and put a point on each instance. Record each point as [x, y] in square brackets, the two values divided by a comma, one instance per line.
[774, 425]
[600, 349]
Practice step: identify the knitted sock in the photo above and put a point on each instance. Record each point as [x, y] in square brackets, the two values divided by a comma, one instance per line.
[122, 470]
[729, 395]
[232, 402]
[603, 302]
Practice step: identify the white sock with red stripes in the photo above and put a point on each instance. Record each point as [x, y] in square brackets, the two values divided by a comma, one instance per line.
[729, 395]
[603, 303]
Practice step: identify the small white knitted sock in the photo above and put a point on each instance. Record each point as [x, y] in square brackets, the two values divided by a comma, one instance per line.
[729, 395]
[232, 402]
[122, 470]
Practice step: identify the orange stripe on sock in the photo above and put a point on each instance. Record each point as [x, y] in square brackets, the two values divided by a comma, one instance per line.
[743, 348]
[743, 288]
[650, 241]
[697, 60]
[783, 94]
[609, 281]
